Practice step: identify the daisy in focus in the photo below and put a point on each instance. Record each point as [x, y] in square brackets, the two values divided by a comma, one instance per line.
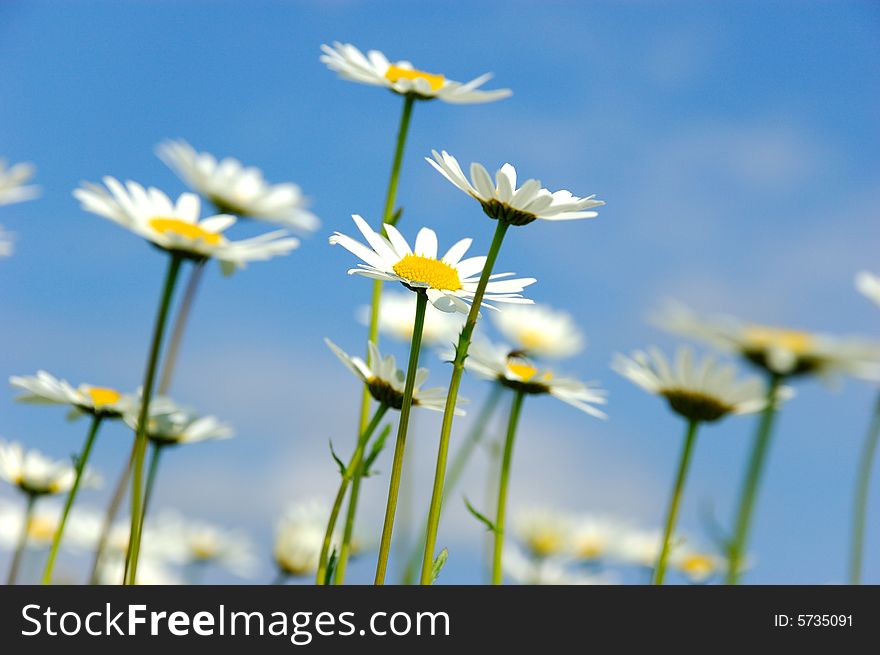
[779, 351]
[511, 369]
[386, 382]
[35, 474]
[397, 315]
[44, 388]
[402, 78]
[14, 183]
[172, 424]
[298, 539]
[868, 285]
[237, 189]
[502, 200]
[539, 331]
[698, 391]
[449, 281]
[176, 227]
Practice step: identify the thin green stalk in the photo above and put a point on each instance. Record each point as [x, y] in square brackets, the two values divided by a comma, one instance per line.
[456, 469]
[71, 496]
[860, 502]
[348, 532]
[675, 500]
[22, 539]
[152, 470]
[750, 483]
[397, 465]
[134, 539]
[110, 515]
[179, 329]
[464, 341]
[503, 483]
[388, 216]
[353, 465]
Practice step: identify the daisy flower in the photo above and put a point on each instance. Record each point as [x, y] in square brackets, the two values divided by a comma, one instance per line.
[198, 542]
[554, 571]
[502, 200]
[173, 424]
[510, 368]
[593, 538]
[397, 315]
[45, 388]
[704, 391]
[641, 547]
[35, 474]
[542, 531]
[236, 189]
[175, 226]
[150, 572]
[868, 285]
[540, 331]
[299, 537]
[386, 382]
[402, 78]
[697, 565]
[13, 183]
[450, 281]
[81, 532]
[779, 351]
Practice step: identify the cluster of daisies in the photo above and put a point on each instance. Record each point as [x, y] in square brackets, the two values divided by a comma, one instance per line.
[445, 298]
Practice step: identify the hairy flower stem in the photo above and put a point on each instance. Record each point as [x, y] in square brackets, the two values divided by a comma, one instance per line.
[71, 496]
[400, 445]
[464, 342]
[860, 502]
[503, 483]
[675, 500]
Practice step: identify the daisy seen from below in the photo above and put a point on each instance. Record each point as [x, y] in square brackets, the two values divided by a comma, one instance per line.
[523, 570]
[539, 331]
[698, 391]
[509, 205]
[402, 78]
[387, 385]
[697, 565]
[36, 476]
[14, 185]
[543, 532]
[502, 200]
[397, 316]
[98, 402]
[237, 189]
[298, 539]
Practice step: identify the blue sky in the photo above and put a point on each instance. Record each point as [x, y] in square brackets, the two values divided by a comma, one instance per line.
[735, 145]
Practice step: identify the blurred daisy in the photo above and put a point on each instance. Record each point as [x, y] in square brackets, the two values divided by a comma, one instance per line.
[173, 424]
[704, 391]
[642, 547]
[397, 315]
[593, 538]
[779, 351]
[45, 388]
[176, 227]
[299, 537]
[35, 474]
[198, 543]
[386, 382]
[7, 245]
[13, 183]
[150, 572]
[81, 531]
[507, 366]
[449, 281]
[400, 77]
[502, 199]
[540, 331]
[697, 565]
[236, 189]
[869, 286]
[526, 571]
[542, 531]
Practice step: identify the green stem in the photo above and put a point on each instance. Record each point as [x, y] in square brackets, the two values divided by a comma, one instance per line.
[387, 217]
[110, 515]
[750, 483]
[675, 500]
[345, 547]
[71, 496]
[397, 465]
[503, 483]
[353, 465]
[860, 503]
[456, 469]
[464, 341]
[134, 539]
[22, 539]
[180, 322]
[152, 470]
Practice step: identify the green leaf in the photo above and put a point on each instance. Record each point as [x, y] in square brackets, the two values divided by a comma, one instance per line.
[375, 451]
[480, 517]
[396, 216]
[437, 566]
[331, 566]
[336, 459]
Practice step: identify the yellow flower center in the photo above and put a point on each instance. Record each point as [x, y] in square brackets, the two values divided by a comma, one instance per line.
[545, 543]
[101, 396]
[433, 272]
[395, 73]
[531, 339]
[698, 565]
[203, 551]
[42, 529]
[590, 549]
[525, 372]
[177, 227]
[762, 337]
